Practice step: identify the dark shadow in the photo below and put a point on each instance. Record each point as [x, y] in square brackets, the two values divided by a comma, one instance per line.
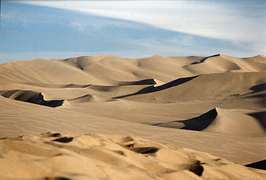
[51, 134]
[145, 150]
[151, 89]
[197, 123]
[205, 58]
[64, 139]
[258, 92]
[30, 97]
[123, 83]
[259, 87]
[140, 82]
[57, 178]
[261, 117]
[197, 168]
[201, 122]
[258, 165]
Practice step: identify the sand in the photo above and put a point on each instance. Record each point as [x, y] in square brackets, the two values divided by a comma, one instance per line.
[108, 117]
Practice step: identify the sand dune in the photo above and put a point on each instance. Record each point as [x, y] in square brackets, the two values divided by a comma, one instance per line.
[224, 121]
[58, 156]
[237, 122]
[205, 87]
[214, 104]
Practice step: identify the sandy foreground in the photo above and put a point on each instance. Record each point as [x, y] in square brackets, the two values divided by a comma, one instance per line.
[107, 117]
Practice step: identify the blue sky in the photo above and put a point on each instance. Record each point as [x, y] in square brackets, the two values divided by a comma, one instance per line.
[33, 29]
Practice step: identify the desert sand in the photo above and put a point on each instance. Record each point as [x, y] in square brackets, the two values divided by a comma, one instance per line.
[108, 117]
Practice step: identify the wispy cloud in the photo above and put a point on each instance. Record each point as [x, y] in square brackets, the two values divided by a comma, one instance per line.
[34, 29]
[203, 18]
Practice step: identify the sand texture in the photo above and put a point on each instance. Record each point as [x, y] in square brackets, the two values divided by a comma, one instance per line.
[108, 117]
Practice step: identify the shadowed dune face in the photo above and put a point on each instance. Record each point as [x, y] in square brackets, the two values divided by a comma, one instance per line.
[261, 117]
[151, 89]
[30, 97]
[202, 59]
[191, 102]
[201, 122]
[258, 165]
[223, 121]
[259, 87]
[197, 123]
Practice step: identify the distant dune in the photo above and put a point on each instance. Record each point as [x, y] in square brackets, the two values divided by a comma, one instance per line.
[120, 118]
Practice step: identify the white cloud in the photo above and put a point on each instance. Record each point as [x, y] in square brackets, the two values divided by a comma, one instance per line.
[203, 18]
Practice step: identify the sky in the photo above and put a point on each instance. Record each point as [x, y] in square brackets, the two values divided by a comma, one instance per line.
[132, 28]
